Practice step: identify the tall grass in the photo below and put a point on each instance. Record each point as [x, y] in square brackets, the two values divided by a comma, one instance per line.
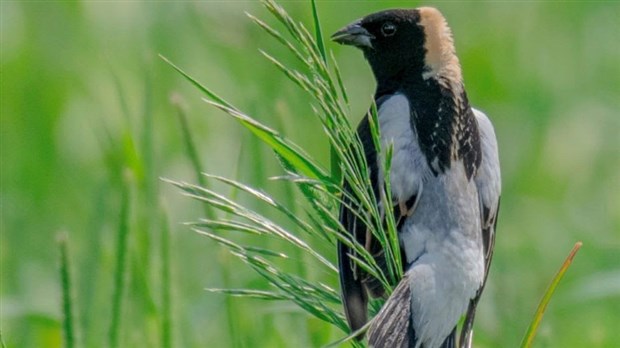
[528, 338]
[67, 83]
[319, 189]
[120, 274]
[69, 330]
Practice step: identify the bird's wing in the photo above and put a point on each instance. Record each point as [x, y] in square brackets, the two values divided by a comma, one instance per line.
[354, 295]
[355, 283]
[488, 183]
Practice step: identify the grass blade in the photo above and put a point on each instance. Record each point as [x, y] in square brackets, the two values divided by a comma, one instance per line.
[542, 306]
[166, 281]
[190, 148]
[67, 299]
[321, 188]
[120, 268]
[252, 293]
[317, 31]
[197, 84]
[282, 146]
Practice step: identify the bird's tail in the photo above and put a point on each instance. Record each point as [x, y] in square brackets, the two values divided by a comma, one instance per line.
[450, 341]
[392, 325]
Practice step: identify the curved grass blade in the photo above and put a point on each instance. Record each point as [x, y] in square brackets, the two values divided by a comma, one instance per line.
[317, 31]
[280, 145]
[190, 148]
[351, 338]
[542, 306]
[252, 293]
[68, 324]
[120, 268]
[166, 282]
[197, 84]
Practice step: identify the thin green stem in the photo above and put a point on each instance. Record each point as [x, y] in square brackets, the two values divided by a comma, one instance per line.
[190, 148]
[68, 323]
[544, 302]
[166, 281]
[318, 32]
[120, 268]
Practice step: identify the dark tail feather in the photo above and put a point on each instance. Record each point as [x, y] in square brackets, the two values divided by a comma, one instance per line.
[450, 341]
[354, 296]
[392, 328]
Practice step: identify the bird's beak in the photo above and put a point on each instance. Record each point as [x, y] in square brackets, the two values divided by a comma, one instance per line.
[354, 35]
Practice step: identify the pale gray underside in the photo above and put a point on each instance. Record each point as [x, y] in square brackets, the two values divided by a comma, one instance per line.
[442, 239]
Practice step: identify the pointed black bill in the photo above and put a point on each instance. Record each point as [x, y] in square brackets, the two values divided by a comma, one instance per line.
[353, 35]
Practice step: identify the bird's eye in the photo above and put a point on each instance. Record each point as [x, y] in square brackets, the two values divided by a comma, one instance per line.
[388, 29]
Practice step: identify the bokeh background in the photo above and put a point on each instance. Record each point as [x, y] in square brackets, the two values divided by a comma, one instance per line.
[88, 108]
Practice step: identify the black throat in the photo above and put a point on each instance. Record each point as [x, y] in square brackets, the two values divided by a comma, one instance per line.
[442, 119]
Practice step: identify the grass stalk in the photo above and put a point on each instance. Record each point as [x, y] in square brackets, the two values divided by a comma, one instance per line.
[68, 323]
[190, 148]
[321, 190]
[120, 267]
[230, 307]
[148, 193]
[544, 302]
[166, 282]
[208, 210]
[318, 32]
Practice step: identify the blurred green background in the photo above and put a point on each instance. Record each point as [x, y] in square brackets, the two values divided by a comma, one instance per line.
[86, 110]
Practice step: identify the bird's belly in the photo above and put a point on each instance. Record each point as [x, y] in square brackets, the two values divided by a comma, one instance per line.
[442, 286]
[443, 245]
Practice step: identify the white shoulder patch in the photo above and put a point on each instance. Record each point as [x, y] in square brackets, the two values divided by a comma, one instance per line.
[408, 163]
[488, 180]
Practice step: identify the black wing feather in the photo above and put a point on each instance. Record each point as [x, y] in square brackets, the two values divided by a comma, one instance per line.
[354, 295]
[356, 284]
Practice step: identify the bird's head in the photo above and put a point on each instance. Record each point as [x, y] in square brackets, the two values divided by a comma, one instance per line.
[402, 42]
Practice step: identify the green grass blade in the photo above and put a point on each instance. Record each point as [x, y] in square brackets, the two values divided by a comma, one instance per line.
[270, 137]
[251, 293]
[318, 32]
[265, 198]
[68, 323]
[308, 296]
[166, 282]
[147, 146]
[343, 91]
[334, 162]
[321, 189]
[190, 148]
[542, 306]
[197, 84]
[259, 222]
[283, 147]
[120, 268]
[275, 34]
[351, 338]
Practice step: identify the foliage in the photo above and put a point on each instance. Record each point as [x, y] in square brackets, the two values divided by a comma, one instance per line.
[86, 115]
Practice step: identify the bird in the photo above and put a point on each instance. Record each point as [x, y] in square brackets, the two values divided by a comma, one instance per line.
[445, 185]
